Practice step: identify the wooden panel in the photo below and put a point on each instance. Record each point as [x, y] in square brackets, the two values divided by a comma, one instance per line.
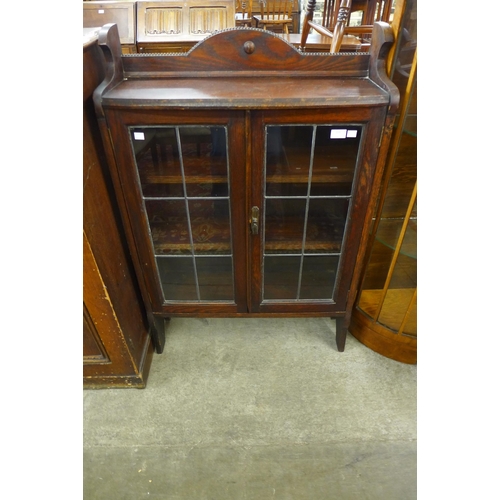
[250, 50]
[101, 317]
[165, 47]
[315, 43]
[97, 14]
[242, 94]
[129, 49]
[174, 20]
[93, 350]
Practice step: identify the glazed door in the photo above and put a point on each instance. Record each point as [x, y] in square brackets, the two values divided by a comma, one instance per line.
[186, 202]
[235, 212]
[303, 247]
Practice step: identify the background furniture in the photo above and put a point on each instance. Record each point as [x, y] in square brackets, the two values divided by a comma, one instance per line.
[97, 14]
[336, 32]
[337, 21]
[371, 10]
[173, 26]
[276, 14]
[117, 349]
[175, 21]
[385, 314]
[322, 43]
[259, 200]
[243, 12]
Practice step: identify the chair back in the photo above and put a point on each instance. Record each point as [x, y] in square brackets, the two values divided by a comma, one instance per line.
[275, 13]
[337, 23]
[276, 10]
[372, 10]
[328, 14]
[243, 12]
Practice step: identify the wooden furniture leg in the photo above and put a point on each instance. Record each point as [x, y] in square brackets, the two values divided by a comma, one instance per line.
[157, 326]
[341, 333]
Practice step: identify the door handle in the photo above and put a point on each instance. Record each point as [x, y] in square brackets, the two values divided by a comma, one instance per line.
[254, 220]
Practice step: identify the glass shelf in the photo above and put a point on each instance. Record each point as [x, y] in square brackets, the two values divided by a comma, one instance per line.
[388, 233]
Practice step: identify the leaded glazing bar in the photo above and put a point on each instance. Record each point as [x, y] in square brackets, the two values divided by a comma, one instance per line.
[184, 177]
[309, 171]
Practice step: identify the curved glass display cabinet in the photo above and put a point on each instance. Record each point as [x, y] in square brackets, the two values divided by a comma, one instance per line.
[385, 314]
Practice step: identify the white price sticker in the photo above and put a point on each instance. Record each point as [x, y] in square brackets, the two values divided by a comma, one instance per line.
[338, 133]
[342, 133]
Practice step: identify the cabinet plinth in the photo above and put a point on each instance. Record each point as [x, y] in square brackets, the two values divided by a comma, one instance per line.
[247, 178]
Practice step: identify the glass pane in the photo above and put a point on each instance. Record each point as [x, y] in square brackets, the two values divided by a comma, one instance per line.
[325, 225]
[403, 177]
[177, 278]
[284, 225]
[288, 156]
[204, 156]
[210, 226]
[169, 225]
[388, 233]
[406, 46]
[215, 278]
[318, 276]
[312, 189]
[187, 168]
[378, 268]
[157, 159]
[281, 277]
[335, 157]
[399, 296]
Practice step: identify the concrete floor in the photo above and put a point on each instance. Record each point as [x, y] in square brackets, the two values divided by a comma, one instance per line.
[256, 409]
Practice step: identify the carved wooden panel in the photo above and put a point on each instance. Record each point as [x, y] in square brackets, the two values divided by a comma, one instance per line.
[174, 20]
[205, 20]
[163, 21]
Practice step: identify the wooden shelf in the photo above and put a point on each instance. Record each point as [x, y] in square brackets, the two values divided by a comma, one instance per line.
[394, 310]
[211, 235]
